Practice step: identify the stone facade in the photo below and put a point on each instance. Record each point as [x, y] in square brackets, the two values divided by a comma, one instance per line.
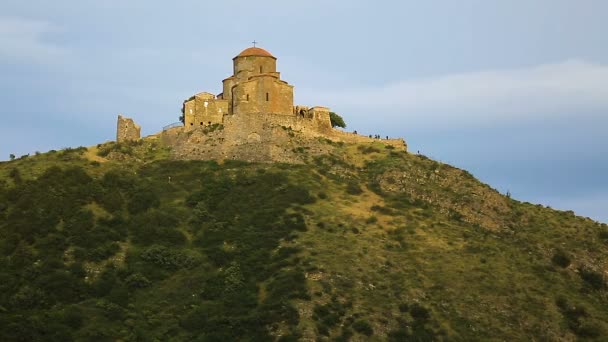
[255, 88]
[204, 109]
[127, 130]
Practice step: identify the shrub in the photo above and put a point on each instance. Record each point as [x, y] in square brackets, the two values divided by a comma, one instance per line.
[142, 200]
[73, 317]
[603, 234]
[419, 313]
[353, 188]
[561, 259]
[103, 251]
[15, 175]
[371, 220]
[167, 258]
[137, 280]
[368, 149]
[336, 120]
[363, 327]
[591, 277]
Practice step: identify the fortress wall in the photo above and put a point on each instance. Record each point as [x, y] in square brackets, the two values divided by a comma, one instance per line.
[348, 137]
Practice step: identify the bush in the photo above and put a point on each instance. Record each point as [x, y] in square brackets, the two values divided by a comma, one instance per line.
[73, 317]
[137, 281]
[367, 149]
[353, 188]
[419, 313]
[363, 327]
[167, 258]
[336, 120]
[603, 234]
[15, 175]
[561, 259]
[591, 277]
[142, 200]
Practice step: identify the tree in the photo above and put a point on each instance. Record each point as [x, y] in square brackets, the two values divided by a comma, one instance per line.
[12, 156]
[336, 120]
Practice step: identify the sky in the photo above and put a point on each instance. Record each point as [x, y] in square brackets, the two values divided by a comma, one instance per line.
[515, 91]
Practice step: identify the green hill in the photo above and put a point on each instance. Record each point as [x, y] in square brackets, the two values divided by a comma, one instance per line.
[363, 243]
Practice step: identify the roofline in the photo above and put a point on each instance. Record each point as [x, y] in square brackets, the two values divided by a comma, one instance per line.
[273, 57]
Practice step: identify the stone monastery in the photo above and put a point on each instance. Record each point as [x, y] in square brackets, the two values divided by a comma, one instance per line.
[253, 118]
[255, 88]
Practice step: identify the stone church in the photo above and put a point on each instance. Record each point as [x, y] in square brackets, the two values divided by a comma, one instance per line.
[252, 119]
[255, 88]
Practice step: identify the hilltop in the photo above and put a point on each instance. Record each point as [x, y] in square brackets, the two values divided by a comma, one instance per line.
[355, 241]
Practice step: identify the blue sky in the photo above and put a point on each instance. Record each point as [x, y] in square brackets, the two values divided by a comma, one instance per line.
[514, 91]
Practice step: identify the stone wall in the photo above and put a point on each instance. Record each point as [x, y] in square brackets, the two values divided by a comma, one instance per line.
[247, 66]
[264, 138]
[127, 130]
[204, 110]
[262, 94]
[347, 137]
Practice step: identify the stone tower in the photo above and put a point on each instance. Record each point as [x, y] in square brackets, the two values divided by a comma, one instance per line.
[256, 86]
[127, 130]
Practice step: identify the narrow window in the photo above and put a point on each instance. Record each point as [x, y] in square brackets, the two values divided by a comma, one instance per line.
[247, 97]
[201, 123]
[267, 97]
[192, 124]
[260, 69]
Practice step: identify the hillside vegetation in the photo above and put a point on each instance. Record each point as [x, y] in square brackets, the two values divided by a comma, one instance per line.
[364, 243]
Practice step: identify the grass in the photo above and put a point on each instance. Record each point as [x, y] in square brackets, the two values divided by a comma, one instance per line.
[365, 243]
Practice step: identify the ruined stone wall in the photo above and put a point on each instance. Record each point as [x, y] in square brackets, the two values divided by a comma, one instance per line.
[321, 119]
[127, 130]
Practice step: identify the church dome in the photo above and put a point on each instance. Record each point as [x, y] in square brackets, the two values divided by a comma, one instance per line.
[255, 51]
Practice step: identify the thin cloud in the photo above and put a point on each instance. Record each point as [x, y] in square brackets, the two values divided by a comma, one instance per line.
[538, 92]
[25, 40]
